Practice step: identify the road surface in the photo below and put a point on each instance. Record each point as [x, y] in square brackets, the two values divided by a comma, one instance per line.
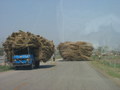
[57, 76]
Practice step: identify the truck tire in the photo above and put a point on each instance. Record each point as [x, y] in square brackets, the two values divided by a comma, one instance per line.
[31, 66]
[37, 64]
[17, 68]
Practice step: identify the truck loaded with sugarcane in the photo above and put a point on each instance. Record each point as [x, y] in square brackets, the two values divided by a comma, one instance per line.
[27, 49]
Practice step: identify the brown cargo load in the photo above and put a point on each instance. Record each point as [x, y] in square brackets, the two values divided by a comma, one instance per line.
[75, 51]
[19, 42]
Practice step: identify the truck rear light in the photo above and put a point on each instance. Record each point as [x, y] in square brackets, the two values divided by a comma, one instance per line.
[28, 59]
[21, 56]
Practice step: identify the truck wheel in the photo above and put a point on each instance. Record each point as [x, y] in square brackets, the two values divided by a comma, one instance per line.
[16, 68]
[37, 64]
[31, 66]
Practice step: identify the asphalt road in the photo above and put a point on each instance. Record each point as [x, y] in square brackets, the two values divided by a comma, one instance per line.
[57, 76]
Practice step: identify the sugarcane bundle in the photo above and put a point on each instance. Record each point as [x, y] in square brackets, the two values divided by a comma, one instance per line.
[18, 42]
[75, 51]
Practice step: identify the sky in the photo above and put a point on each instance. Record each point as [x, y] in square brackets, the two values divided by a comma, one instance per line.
[58, 20]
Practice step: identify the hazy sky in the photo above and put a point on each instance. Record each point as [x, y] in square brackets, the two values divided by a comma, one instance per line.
[57, 19]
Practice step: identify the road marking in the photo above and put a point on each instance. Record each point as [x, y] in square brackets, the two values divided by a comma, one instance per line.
[20, 86]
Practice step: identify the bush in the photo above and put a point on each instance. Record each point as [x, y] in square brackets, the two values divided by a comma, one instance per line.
[5, 68]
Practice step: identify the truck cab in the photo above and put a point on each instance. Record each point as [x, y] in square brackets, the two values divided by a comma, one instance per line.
[24, 58]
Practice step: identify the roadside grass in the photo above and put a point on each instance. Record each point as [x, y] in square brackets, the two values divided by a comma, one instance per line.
[5, 68]
[111, 67]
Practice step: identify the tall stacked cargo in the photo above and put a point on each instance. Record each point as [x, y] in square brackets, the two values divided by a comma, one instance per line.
[18, 42]
[75, 51]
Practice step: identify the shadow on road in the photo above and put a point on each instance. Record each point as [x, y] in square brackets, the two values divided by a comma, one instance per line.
[73, 61]
[46, 66]
[40, 67]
